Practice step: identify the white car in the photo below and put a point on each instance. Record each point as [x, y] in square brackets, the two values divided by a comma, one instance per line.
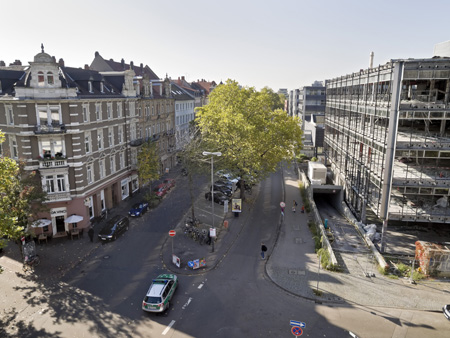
[160, 293]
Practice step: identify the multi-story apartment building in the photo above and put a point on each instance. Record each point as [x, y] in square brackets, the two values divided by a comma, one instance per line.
[294, 96]
[68, 124]
[155, 109]
[388, 142]
[311, 110]
[80, 130]
[184, 114]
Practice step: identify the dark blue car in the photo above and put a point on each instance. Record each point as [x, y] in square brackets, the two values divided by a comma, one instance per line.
[138, 209]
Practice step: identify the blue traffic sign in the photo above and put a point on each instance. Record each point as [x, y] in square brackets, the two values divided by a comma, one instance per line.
[297, 323]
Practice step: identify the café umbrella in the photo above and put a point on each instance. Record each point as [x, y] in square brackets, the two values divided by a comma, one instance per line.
[40, 223]
[73, 219]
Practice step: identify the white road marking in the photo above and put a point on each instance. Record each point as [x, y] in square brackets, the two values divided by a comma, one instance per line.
[200, 286]
[168, 327]
[187, 303]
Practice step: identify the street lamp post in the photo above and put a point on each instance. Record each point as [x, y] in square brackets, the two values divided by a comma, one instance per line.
[218, 153]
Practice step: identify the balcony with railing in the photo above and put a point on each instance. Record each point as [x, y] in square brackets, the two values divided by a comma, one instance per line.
[58, 197]
[54, 128]
[50, 161]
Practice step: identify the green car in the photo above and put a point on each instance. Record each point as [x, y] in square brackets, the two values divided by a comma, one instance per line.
[160, 293]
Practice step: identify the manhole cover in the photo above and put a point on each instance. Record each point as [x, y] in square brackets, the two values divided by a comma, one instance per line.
[106, 257]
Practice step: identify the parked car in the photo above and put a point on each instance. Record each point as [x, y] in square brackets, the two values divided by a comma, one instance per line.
[161, 190]
[227, 176]
[228, 184]
[138, 209]
[446, 310]
[113, 228]
[223, 188]
[219, 197]
[160, 293]
[169, 182]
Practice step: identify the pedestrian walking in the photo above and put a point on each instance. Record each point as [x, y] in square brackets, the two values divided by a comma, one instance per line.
[263, 250]
[303, 209]
[91, 234]
[282, 211]
[294, 205]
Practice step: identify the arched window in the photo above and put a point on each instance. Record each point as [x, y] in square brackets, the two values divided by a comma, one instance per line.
[50, 78]
[41, 79]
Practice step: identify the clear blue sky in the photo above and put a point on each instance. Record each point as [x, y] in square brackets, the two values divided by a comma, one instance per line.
[279, 44]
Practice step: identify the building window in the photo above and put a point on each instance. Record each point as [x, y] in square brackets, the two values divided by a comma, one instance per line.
[102, 168]
[50, 80]
[98, 111]
[85, 112]
[90, 174]
[9, 115]
[121, 161]
[109, 110]
[112, 164]
[52, 148]
[119, 109]
[87, 142]
[49, 115]
[132, 108]
[13, 146]
[102, 88]
[100, 139]
[41, 79]
[111, 136]
[124, 187]
[120, 134]
[55, 183]
[90, 87]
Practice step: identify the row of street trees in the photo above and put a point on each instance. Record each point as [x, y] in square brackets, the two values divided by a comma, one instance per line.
[248, 127]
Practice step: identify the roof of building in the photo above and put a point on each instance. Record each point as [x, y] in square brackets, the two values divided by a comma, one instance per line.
[180, 94]
[101, 64]
[8, 78]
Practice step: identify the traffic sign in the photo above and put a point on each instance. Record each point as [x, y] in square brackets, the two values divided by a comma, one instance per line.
[172, 233]
[297, 323]
[296, 331]
[282, 204]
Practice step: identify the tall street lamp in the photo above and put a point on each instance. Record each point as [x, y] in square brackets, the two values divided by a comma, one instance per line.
[218, 153]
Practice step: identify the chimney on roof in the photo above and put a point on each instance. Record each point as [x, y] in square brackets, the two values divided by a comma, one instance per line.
[16, 63]
[131, 65]
[122, 62]
[112, 60]
[97, 54]
[61, 62]
[142, 66]
[2, 63]
[182, 78]
[54, 59]
[86, 67]
[371, 60]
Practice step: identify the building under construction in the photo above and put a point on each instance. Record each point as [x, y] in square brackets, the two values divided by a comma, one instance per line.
[387, 139]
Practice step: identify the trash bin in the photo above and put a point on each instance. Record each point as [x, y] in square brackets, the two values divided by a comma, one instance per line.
[325, 223]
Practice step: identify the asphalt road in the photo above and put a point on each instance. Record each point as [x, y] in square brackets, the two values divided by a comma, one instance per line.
[102, 296]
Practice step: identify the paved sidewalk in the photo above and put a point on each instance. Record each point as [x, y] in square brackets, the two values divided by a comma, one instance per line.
[294, 266]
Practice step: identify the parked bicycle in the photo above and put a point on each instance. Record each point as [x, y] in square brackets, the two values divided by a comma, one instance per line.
[30, 262]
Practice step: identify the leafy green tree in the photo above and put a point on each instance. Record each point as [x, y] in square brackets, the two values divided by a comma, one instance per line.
[22, 198]
[277, 99]
[252, 136]
[148, 163]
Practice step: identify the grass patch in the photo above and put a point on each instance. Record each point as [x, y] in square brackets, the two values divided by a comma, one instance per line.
[315, 235]
[317, 292]
[305, 198]
[391, 276]
[325, 261]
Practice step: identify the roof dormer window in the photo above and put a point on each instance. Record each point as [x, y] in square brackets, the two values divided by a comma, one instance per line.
[50, 80]
[102, 89]
[90, 87]
[41, 79]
